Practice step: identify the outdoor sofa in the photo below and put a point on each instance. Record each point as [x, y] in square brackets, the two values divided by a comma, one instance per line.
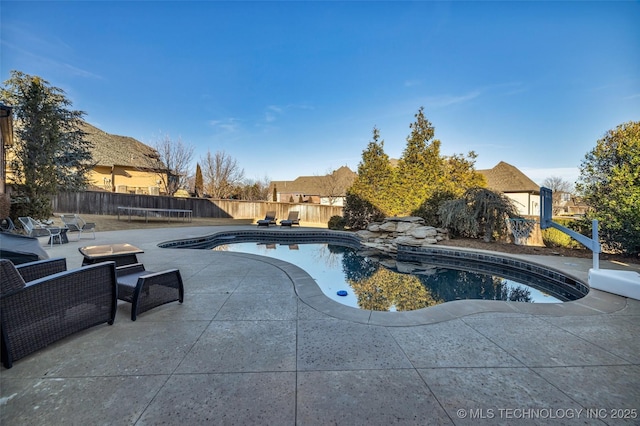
[41, 302]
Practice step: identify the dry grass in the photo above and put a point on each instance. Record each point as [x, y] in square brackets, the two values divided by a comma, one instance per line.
[111, 223]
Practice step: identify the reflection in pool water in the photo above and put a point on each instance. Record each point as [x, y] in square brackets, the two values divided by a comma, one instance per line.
[381, 284]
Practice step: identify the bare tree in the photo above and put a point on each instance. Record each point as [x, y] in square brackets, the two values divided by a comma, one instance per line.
[222, 175]
[334, 184]
[255, 190]
[173, 159]
[560, 188]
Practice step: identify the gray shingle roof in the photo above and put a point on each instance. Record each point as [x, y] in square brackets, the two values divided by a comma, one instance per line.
[110, 150]
[339, 181]
[506, 178]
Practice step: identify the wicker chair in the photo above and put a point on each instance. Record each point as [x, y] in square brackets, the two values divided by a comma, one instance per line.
[146, 290]
[37, 309]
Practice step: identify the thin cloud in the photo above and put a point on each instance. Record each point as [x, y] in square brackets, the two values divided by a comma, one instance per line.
[43, 50]
[445, 100]
[448, 100]
[273, 112]
[227, 125]
[412, 83]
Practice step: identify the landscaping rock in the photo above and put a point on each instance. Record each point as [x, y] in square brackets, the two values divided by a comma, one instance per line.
[388, 226]
[424, 232]
[373, 227]
[405, 227]
[394, 231]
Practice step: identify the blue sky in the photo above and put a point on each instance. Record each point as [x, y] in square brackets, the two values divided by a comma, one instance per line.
[295, 88]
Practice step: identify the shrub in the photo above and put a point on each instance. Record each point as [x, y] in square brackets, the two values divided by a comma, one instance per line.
[37, 207]
[555, 238]
[358, 213]
[480, 213]
[428, 210]
[337, 223]
[5, 206]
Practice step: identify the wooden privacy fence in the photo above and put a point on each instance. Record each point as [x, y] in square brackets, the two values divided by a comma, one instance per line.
[107, 203]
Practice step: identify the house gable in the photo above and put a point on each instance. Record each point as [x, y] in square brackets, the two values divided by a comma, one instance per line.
[506, 178]
[122, 163]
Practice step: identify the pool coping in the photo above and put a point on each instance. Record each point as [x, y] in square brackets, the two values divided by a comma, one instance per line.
[594, 303]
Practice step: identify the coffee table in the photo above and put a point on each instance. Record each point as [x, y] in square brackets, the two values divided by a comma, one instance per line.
[122, 254]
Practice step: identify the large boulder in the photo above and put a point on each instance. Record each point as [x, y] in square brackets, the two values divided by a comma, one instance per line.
[366, 235]
[373, 227]
[389, 226]
[424, 232]
[406, 227]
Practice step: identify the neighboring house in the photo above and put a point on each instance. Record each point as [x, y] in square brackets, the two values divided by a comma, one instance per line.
[330, 189]
[570, 205]
[123, 164]
[516, 185]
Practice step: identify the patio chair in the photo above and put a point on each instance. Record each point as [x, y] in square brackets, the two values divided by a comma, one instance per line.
[292, 219]
[7, 225]
[146, 290]
[33, 228]
[269, 219]
[41, 303]
[76, 224]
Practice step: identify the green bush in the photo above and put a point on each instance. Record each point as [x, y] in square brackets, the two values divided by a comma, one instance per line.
[337, 223]
[428, 210]
[358, 213]
[555, 238]
[480, 213]
[37, 207]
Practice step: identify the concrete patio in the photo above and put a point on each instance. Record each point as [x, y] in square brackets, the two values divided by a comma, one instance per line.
[254, 344]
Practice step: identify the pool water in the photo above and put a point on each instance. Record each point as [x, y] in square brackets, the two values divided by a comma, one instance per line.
[384, 285]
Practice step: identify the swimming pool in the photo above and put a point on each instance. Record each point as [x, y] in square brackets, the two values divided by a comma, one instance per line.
[416, 278]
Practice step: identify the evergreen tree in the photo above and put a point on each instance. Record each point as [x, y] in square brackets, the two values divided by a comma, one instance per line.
[50, 153]
[460, 174]
[610, 184]
[420, 170]
[199, 184]
[421, 182]
[375, 176]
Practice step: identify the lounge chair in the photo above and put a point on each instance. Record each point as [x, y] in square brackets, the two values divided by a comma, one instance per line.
[36, 229]
[41, 303]
[269, 219]
[146, 290]
[76, 224]
[292, 219]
